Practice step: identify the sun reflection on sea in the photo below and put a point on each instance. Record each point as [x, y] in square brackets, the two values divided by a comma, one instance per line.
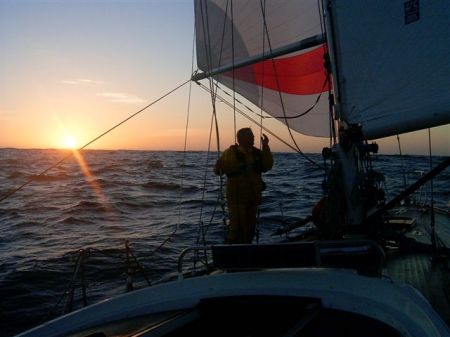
[93, 183]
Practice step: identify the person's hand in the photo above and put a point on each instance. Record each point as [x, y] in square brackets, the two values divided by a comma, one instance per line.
[264, 140]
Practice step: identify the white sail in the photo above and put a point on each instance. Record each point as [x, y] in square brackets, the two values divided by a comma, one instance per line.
[230, 33]
[393, 64]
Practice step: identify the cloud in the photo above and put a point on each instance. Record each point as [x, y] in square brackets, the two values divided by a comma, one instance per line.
[81, 82]
[86, 81]
[120, 97]
[116, 97]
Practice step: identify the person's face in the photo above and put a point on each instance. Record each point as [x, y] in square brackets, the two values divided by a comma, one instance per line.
[247, 139]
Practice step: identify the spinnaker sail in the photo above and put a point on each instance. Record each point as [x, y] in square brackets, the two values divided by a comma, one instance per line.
[272, 53]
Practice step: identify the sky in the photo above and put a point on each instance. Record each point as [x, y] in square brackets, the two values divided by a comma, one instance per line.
[70, 70]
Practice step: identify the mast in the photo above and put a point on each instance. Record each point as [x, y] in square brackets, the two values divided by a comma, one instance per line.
[329, 34]
[346, 154]
[388, 78]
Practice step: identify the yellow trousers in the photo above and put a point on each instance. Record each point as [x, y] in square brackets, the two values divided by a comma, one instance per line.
[242, 222]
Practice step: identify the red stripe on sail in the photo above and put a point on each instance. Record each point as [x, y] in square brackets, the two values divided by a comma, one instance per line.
[302, 74]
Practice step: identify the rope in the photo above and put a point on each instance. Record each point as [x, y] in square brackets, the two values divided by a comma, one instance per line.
[186, 133]
[402, 161]
[213, 87]
[258, 210]
[7, 195]
[204, 182]
[278, 84]
[220, 196]
[307, 110]
[233, 77]
[169, 237]
[432, 220]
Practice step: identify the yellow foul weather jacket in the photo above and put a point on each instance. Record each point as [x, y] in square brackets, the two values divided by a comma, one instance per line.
[243, 167]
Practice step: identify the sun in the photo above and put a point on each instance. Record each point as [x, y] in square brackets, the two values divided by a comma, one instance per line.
[69, 142]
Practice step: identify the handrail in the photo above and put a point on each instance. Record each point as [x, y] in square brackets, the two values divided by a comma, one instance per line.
[184, 252]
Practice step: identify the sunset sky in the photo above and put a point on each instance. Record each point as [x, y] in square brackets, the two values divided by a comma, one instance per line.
[70, 70]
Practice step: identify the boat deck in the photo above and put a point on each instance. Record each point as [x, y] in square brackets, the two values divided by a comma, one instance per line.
[431, 278]
[417, 264]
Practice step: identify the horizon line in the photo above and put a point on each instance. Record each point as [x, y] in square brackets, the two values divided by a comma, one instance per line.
[166, 150]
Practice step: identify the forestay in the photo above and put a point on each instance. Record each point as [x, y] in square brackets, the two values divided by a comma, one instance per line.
[242, 36]
[393, 64]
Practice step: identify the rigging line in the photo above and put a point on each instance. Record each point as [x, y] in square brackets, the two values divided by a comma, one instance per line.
[263, 78]
[244, 105]
[257, 227]
[220, 192]
[220, 196]
[213, 214]
[207, 41]
[277, 81]
[232, 61]
[186, 130]
[222, 38]
[432, 224]
[402, 161]
[278, 117]
[264, 128]
[213, 92]
[306, 111]
[204, 180]
[7, 195]
[139, 266]
[214, 121]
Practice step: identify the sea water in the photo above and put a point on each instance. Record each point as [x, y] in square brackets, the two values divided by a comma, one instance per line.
[158, 202]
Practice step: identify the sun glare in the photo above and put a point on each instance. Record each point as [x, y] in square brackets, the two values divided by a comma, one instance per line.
[69, 142]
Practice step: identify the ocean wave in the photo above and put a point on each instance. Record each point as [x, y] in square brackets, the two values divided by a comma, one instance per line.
[84, 206]
[170, 186]
[47, 177]
[161, 185]
[154, 164]
[16, 174]
[29, 223]
[8, 214]
[113, 168]
[104, 183]
[71, 220]
[135, 205]
[37, 206]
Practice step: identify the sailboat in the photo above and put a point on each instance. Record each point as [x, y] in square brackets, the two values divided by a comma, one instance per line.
[353, 71]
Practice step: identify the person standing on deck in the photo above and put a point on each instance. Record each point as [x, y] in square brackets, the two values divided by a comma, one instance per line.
[243, 165]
